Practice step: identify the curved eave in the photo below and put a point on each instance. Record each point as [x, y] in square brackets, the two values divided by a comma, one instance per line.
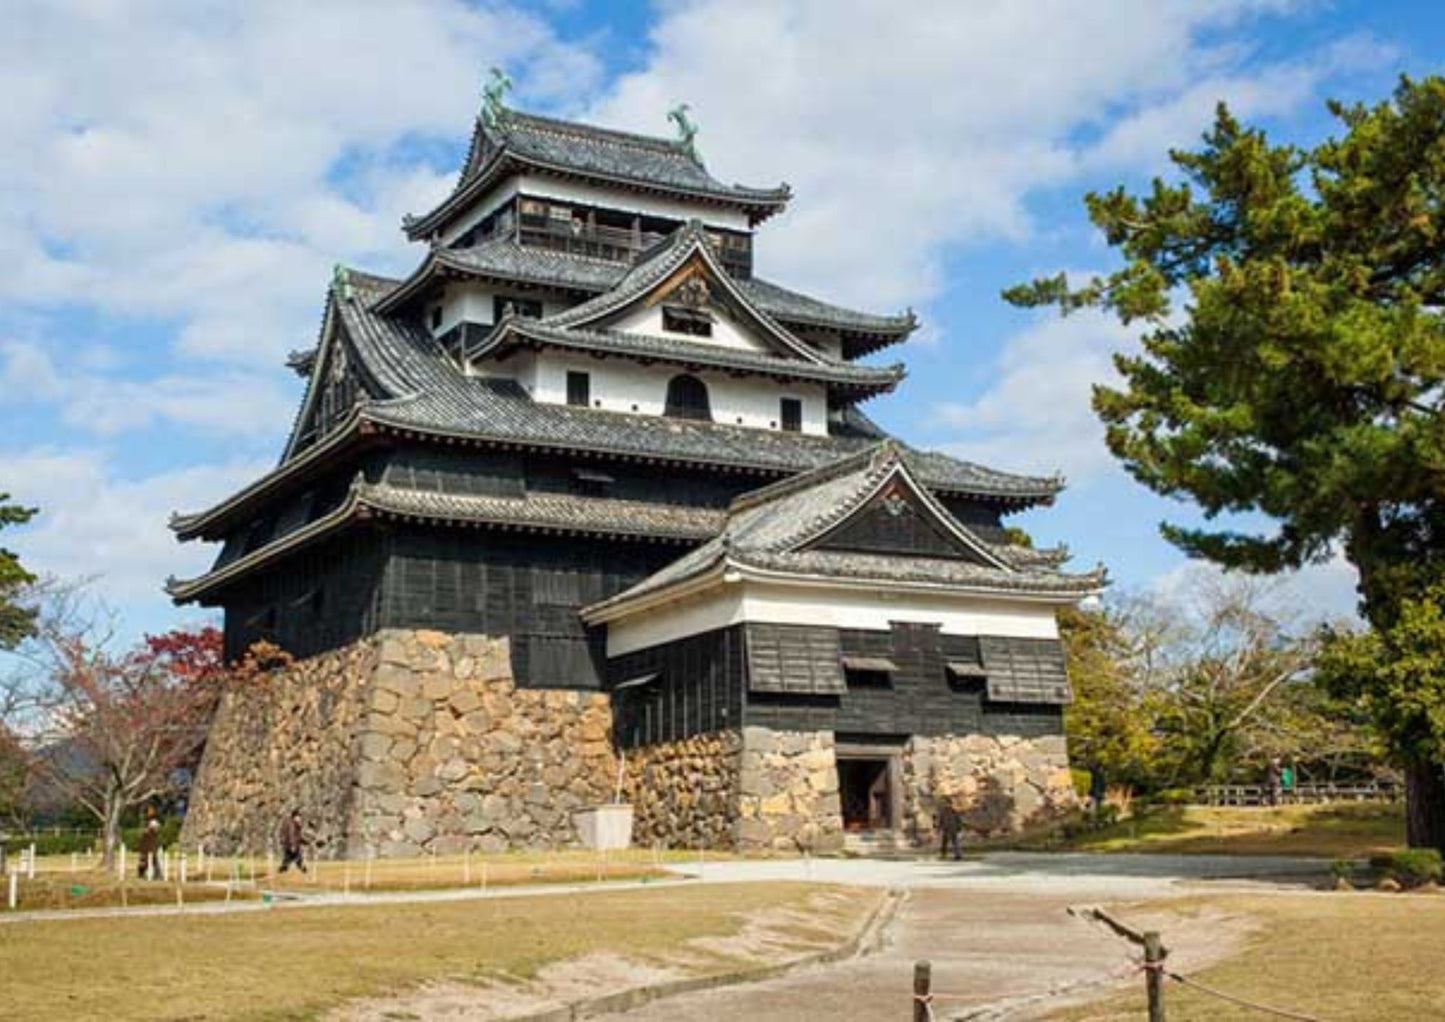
[200, 523]
[758, 205]
[361, 506]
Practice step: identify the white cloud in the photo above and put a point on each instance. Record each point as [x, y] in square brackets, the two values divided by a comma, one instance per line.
[95, 523]
[907, 130]
[1036, 415]
[97, 397]
[182, 167]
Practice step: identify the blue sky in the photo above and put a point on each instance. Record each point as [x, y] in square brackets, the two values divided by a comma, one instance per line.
[175, 200]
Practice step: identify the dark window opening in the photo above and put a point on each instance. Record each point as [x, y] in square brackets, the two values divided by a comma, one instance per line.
[792, 415]
[530, 308]
[687, 399]
[579, 389]
[436, 317]
[694, 322]
[867, 679]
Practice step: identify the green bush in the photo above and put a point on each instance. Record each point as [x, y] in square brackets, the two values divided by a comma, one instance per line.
[51, 844]
[1082, 781]
[1342, 869]
[1411, 867]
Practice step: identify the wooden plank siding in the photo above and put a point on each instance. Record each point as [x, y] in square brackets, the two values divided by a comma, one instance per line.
[697, 688]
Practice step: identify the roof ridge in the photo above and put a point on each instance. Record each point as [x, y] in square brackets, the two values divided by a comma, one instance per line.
[561, 126]
[813, 477]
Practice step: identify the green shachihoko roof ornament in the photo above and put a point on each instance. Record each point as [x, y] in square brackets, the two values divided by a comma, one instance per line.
[686, 130]
[497, 86]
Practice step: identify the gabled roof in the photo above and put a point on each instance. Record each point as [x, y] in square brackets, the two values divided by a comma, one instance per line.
[770, 533]
[645, 163]
[656, 270]
[421, 392]
[519, 331]
[505, 261]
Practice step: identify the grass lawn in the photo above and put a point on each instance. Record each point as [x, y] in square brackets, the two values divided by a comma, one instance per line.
[1340, 830]
[295, 963]
[1342, 957]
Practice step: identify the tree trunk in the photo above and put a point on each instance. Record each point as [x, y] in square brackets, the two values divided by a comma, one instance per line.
[1425, 805]
[110, 831]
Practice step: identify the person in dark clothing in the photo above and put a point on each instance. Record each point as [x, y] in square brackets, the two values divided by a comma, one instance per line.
[149, 849]
[292, 839]
[1272, 782]
[950, 829]
[1098, 787]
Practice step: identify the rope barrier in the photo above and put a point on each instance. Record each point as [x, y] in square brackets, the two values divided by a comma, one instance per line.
[1242, 1002]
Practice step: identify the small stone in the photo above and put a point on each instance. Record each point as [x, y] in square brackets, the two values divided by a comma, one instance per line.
[453, 769]
[433, 639]
[464, 701]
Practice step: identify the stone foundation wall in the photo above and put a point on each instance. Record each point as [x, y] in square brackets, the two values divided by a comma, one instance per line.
[1000, 782]
[685, 794]
[283, 742]
[788, 791]
[407, 742]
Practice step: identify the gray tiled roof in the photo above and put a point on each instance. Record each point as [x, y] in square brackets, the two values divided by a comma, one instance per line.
[431, 394]
[506, 260]
[646, 162]
[769, 528]
[690, 353]
[534, 512]
[549, 511]
[422, 390]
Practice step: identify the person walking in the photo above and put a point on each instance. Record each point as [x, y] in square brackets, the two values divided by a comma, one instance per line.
[1272, 782]
[149, 848]
[292, 838]
[950, 828]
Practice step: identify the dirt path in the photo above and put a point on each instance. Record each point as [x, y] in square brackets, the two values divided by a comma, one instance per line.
[994, 956]
[775, 937]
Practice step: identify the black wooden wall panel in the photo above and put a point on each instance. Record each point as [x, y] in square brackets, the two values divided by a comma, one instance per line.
[893, 523]
[697, 688]
[528, 587]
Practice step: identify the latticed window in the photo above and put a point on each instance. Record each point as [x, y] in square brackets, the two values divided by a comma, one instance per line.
[687, 398]
[792, 415]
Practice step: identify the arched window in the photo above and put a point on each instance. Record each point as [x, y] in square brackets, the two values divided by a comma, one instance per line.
[687, 398]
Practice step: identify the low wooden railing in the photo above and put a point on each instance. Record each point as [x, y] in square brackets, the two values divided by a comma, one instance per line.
[1300, 794]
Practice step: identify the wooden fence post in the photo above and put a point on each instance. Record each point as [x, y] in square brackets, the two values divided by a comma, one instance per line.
[922, 991]
[1154, 974]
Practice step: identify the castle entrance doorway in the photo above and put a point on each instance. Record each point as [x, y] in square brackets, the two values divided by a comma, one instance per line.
[868, 787]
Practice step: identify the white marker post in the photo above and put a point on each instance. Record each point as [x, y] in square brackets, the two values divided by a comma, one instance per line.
[30, 865]
[14, 890]
[183, 867]
[120, 868]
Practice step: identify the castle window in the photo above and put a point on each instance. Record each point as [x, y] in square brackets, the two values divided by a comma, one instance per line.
[687, 399]
[579, 389]
[528, 307]
[436, 317]
[792, 415]
[868, 671]
[693, 322]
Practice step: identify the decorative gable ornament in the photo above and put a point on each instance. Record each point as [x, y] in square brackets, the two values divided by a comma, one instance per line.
[693, 293]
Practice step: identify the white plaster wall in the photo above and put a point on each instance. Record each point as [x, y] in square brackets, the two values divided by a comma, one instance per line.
[726, 332]
[621, 385]
[729, 604]
[472, 303]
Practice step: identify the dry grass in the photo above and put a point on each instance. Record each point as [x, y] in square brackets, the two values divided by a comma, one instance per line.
[296, 963]
[435, 872]
[1351, 957]
[1341, 830]
[94, 889]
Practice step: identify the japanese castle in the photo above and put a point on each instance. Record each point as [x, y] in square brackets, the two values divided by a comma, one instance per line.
[584, 509]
